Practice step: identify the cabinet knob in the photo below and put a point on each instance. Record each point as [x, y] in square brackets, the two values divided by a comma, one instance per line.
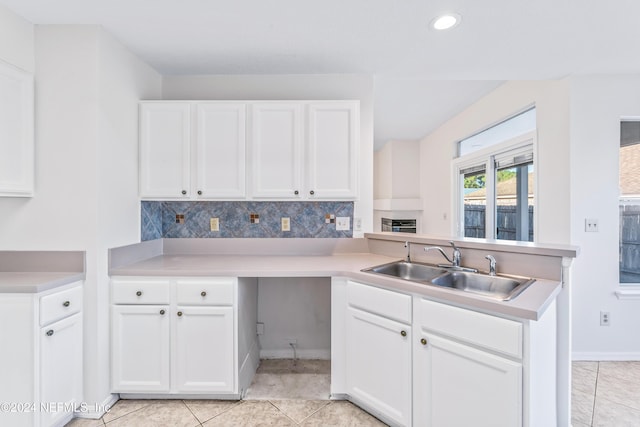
[199, 192]
[50, 332]
[184, 192]
[312, 192]
[203, 293]
[423, 341]
[403, 333]
[139, 293]
[66, 303]
[179, 314]
[296, 192]
[162, 312]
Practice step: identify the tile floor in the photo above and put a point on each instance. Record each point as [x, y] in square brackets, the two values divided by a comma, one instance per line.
[606, 394]
[284, 393]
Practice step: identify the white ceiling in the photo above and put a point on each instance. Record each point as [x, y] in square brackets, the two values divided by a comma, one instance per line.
[391, 40]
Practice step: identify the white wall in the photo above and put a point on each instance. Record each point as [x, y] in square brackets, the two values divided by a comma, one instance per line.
[294, 87]
[597, 105]
[551, 99]
[87, 88]
[16, 40]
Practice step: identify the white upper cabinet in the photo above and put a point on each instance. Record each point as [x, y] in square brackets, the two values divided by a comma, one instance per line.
[220, 150]
[332, 150]
[283, 149]
[165, 146]
[16, 132]
[276, 146]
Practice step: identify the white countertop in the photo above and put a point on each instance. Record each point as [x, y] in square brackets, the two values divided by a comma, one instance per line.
[528, 305]
[35, 281]
[39, 271]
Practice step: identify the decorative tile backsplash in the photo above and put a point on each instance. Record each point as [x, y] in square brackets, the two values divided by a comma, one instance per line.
[243, 219]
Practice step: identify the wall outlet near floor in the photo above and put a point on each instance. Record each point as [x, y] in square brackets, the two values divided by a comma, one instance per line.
[605, 318]
[591, 225]
[214, 224]
[259, 328]
[292, 341]
[343, 223]
[285, 224]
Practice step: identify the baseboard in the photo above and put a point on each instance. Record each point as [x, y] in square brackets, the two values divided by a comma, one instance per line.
[301, 354]
[248, 368]
[605, 356]
[96, 411]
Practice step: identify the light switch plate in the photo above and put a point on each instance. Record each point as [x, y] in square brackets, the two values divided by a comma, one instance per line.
[343, 223]
[214, 224]
[286, 224]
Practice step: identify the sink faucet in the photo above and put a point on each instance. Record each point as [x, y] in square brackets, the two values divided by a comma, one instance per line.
[492, 265]
[408, 246]
[455, 258]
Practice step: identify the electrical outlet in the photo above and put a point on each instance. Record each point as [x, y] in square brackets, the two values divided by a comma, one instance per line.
[591, 225]
[214, 224]
[343, 223]
[357, 224]
[259, 328]
[605, 318]
[285, 224]
[292, 341]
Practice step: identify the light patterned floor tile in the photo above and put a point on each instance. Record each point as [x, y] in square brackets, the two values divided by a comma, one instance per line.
[291, 366]
[85, 422]
[289, 386]
[168, 413]
[204, 410]
[619, 382]
[251, 414]
[124, 407]
[611, 414]
[343, 414]
[582, 407]
[584, 376]
[299, 410]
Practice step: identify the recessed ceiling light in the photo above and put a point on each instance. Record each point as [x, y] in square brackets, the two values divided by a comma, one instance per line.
[446, 21]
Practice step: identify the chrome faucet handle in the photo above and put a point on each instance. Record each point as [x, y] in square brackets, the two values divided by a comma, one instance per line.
[456, 254]
[439, 249]
[492, 265]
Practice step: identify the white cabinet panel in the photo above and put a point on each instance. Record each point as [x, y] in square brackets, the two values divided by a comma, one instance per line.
[204, 350]
[276, 146]
[378, 364]
[16, 132]
[165, 138]
[60, 369]
[140, 348]
[332, 166]
[220, 150]
[458, 386]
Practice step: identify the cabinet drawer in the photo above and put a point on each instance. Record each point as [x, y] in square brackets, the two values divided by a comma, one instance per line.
[390, 304]
[140, 291]
[60, 305]
[216, 291]
[483, 330]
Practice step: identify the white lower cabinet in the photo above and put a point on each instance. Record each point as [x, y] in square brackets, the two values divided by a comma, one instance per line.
[378, 351]
[182, 341]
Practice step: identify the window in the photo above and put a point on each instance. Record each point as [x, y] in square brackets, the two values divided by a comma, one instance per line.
[496, 181]
[630, 201]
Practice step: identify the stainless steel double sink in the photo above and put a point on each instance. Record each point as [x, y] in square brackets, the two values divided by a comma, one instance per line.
[500, 287]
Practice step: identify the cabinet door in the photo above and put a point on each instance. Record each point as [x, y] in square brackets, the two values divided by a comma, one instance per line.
[276, 150]
[457, 385]
[378, 364]
[140, 348]
[203, 349]
[60, 369]
[332, 150]
[220, 150]
[165, 137]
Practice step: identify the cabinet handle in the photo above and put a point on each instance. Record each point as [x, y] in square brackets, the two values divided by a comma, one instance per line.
[66, 303]
[203, 293]
[184, 192]
[403, 333]
[179, 314]
[296, 192]
[199, 192]
[139, 293]
[162, 312]
[312, 192]
[50, 332]
[423, 341]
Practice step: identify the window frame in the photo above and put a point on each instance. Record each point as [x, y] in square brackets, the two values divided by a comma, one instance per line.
[627, 200]
[520, 144]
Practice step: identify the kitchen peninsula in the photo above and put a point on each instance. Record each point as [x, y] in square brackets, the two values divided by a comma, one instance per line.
[410, 334]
